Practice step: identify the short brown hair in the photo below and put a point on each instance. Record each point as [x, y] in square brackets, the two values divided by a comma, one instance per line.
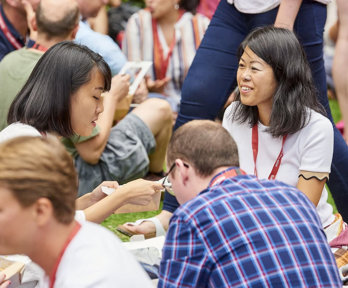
[37, 167]
[204, 144]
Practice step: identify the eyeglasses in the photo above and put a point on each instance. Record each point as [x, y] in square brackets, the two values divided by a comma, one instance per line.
[166, 183]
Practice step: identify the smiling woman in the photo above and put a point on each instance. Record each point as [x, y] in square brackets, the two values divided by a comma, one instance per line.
[278, 124]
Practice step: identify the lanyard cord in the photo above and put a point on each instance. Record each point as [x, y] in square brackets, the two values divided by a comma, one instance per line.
[8, 34]
[255, 146]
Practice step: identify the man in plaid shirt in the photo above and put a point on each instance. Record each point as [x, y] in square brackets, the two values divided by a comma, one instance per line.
[233, 230]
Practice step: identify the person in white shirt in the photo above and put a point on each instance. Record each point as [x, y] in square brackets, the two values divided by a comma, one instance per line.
[38, 187]
[278, 125]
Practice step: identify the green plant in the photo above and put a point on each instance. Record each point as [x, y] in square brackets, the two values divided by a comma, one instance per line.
[139, 3]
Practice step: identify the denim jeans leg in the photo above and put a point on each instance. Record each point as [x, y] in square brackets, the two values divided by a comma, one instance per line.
[309, 27]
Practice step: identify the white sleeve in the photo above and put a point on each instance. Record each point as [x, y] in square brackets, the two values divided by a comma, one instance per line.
[317, 145]
[80, 216]
[131, 45]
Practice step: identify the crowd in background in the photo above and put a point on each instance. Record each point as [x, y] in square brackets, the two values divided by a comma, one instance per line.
[59, 78]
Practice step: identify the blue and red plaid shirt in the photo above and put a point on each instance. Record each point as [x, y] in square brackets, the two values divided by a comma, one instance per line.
[244, 232]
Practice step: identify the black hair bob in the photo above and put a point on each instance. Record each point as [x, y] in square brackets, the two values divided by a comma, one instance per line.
[44, 101]
[295, 92]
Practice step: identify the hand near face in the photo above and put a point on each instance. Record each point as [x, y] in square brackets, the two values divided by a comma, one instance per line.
[157, 86]
[141, 191]
[30, 19]
[119, 87]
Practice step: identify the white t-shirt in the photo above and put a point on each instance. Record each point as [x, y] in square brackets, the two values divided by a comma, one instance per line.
[260, 6]
[96, 258]
[17, 130]
[309, 149]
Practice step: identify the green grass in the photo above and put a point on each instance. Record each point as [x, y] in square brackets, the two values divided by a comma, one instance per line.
[114, 220]
[336, 114]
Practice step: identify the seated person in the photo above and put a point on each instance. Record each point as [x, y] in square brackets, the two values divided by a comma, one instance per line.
[123, 152]
[37, 190]
[234, 230]
[168, 34]
[279, 125]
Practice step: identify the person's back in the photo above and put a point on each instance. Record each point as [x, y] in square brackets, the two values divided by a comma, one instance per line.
[52, 27]
[87, 262]
[244, 232]
[15, 69]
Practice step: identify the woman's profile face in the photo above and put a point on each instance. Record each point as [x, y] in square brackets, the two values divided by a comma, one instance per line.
[160, 8]
[256, 80]
[87, 104]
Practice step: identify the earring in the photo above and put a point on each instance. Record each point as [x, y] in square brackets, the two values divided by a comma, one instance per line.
[176, 6]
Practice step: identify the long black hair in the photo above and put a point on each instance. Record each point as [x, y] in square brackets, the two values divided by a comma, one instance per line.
[44, 101]
[295, 91]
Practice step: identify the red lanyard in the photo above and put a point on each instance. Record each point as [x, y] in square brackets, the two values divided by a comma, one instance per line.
[225, 175]
[8, 34]
[66, 244]
[160, 63]
[40, 47]
[255, 146]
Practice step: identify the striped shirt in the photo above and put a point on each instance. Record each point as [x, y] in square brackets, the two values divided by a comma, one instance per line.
[244, 232]
[138, 44]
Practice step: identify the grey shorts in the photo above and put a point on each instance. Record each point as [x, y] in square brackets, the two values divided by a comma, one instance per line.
[125, 156]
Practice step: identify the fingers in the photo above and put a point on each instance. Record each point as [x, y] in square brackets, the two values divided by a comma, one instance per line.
[28, 8]
[157, 186]
[110, 184]
[124, 77]
[2, 283]
[30, 18]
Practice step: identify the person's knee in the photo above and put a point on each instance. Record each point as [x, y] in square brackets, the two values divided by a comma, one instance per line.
[161, 108]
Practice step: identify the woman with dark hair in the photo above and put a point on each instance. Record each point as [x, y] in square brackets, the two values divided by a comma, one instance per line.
[211, 77]
[168, 33]
[53, 100]
[278, 124]
[64, 96]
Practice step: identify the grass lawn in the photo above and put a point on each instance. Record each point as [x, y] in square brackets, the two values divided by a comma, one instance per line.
[114, 220]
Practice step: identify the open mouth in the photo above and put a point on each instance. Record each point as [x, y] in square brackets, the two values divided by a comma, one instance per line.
[245, 89]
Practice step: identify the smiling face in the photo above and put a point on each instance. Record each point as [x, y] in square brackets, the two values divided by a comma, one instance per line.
[160, 8]
[256, 81]
[87, 104]
[16, 225]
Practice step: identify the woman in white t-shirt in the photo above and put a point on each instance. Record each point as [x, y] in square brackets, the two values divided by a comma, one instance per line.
[276, 120]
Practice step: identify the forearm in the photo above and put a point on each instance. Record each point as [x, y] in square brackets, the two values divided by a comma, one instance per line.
[105, 207]
[287, 13]
[83, 202]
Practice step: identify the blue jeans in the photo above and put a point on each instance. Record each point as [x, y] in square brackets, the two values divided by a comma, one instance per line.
[212, 76]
